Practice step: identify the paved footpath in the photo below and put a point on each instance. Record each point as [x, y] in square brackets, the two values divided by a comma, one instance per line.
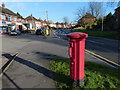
[31, 67]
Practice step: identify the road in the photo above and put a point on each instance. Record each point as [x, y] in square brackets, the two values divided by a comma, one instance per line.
[106, 48]
[31, 68]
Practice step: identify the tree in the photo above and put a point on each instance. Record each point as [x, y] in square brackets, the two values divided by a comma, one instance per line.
[81, 12]
[114, 3]
[65, 20]
[96, 9]
[50, 21]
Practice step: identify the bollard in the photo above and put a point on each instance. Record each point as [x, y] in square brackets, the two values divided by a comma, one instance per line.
[76, 53]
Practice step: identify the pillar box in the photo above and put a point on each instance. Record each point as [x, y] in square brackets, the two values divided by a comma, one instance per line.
[76, 53]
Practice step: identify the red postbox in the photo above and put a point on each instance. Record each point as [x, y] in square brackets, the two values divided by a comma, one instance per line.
[76, 53]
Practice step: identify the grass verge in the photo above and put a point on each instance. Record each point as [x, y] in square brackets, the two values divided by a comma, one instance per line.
[80, 29]
[96, 75]
[106, 34]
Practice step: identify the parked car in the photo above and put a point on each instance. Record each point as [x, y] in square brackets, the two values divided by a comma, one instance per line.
[15, 32]
[39, 31]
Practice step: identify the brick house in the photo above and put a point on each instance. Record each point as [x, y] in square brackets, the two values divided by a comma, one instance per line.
[117, 18]
[35, 22]
[20, 19]
[45, 23]
[7, 16]
[86, 19]
[59, 25]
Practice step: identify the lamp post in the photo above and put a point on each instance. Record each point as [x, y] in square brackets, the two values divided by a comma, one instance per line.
[102, 23]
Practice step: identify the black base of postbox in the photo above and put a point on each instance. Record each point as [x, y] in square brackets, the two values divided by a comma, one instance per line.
[75, 83]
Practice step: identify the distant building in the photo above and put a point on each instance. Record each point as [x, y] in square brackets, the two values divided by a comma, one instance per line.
[52, 25]
[86, 19]
[20, 19]
[59, 25]
[10, 18]
[35, 22]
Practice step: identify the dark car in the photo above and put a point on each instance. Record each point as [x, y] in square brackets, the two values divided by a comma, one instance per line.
[39, 32]
[15, 32]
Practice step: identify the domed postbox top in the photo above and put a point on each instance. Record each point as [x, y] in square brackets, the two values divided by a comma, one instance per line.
[77, 35]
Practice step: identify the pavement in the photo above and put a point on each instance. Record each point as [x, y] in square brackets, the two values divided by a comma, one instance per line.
[31, 68]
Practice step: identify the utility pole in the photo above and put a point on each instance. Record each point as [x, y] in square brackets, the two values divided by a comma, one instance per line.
[32, 21]
[47, 15]
[102, 23]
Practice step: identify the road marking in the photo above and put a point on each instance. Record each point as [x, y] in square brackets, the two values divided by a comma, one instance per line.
[107, 60]
[95, 42]
[100, 57]
[100, 60]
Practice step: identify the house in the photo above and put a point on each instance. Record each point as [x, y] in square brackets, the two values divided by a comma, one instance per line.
[117, 18]
[20, 19]
[8, 20]
[35, 22]
[86, 19]
[11, 19]
[45, 23]
[59, 25]
[52, 25]
[7, 16]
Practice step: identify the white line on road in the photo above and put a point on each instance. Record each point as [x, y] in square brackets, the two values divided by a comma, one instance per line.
[95, 42]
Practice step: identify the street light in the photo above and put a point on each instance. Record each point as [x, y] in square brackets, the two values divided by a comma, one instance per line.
[102, 23]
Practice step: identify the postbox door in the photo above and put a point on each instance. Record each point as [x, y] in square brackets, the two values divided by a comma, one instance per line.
[72, 58]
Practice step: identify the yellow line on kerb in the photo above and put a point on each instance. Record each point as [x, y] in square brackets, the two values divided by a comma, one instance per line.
[102, 57]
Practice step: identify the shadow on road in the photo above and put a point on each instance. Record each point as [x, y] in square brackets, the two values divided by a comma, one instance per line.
[38, 68]
[47, 56]
[11, 82]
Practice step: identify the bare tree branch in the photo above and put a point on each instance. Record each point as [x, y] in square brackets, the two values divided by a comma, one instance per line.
[96, 9]
[113, 3]
[81, 12]
[65, 19]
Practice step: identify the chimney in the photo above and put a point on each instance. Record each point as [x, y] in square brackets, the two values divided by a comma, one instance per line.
[3, 5]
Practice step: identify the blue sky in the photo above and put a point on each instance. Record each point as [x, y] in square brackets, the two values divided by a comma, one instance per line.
[56, 10]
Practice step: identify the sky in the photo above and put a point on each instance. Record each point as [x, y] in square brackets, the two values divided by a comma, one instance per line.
[56, 10]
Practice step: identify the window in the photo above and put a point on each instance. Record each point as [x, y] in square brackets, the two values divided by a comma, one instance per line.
[0, 16]
[8, 18]
[15, 19]
[3, 17]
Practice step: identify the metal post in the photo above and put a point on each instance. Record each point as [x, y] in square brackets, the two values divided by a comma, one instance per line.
[102, 23]
[47, 15]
